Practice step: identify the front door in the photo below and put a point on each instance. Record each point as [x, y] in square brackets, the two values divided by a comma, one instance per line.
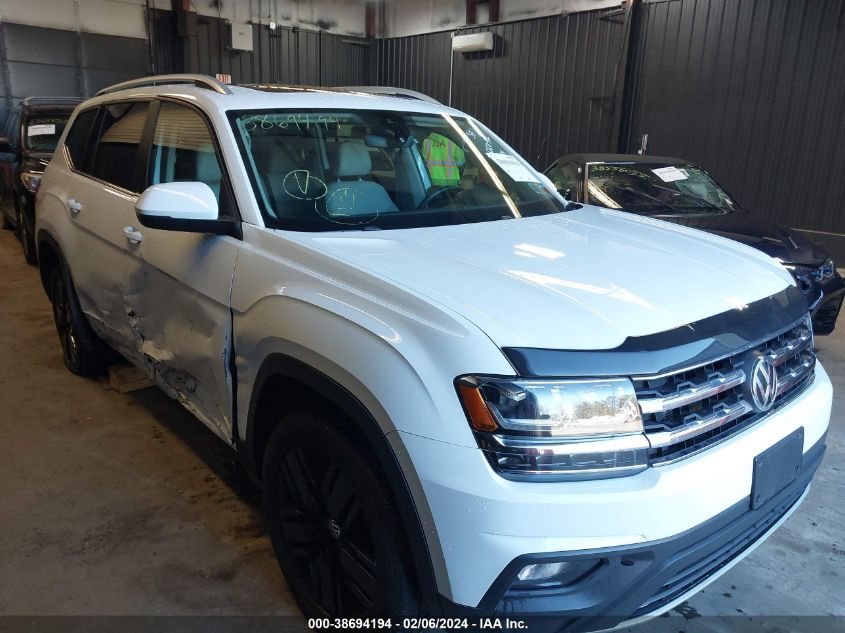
[182, 309]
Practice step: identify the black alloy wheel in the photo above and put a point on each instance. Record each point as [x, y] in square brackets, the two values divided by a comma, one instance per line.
[63, 318]
[333, 524]
[84, 353]
[321, 521]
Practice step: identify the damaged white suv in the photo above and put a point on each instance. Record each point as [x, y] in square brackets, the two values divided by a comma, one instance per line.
[459, 397]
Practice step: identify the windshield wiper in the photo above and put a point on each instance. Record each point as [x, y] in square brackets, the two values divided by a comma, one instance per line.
[704, 204]
[647, 196]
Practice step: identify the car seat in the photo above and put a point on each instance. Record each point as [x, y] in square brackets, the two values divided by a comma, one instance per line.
[350, 194]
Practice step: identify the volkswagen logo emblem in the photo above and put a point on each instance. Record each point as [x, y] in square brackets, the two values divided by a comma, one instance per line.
[334, 528]
[762, 383]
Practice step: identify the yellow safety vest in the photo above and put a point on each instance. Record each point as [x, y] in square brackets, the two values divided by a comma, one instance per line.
[443, 159]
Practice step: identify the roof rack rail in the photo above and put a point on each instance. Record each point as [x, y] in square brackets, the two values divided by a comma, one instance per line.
[201, 81]
[50, 100]
[389, 91]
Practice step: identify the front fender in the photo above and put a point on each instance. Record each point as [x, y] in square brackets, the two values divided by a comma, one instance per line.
[395, 352]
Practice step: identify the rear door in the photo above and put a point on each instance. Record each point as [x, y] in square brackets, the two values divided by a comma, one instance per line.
[180, 299]
[99, 194]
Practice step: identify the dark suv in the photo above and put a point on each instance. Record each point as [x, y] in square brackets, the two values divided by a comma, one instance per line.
[31, 137]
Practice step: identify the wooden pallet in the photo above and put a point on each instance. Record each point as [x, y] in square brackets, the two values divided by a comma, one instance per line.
[124, 378]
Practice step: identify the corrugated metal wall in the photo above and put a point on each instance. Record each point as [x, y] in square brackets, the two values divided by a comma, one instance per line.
[39, 61]
[417, 62]
[283, 55]
[752, 90]
[548, 88]
[755, 92]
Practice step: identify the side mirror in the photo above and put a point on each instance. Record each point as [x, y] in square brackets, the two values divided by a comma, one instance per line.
[182, 206]
[6, 145]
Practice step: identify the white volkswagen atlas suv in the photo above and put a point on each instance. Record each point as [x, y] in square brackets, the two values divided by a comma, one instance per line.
[461, 396]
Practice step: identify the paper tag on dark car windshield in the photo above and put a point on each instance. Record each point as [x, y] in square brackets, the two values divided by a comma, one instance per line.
[41, 130]
[669, 174]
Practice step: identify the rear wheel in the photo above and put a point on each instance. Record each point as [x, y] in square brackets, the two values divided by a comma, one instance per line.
[334, 525]
[84, 353]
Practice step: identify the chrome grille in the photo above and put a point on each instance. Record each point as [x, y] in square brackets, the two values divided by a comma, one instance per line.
[690, 410]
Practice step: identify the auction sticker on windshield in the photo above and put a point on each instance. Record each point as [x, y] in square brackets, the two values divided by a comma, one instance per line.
[512, 167]
[669, 174]
[41, 130]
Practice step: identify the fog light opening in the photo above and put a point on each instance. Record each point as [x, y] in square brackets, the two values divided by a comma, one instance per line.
[556, 574]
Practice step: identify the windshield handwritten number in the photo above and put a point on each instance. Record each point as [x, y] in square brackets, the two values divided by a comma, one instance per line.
[284, 121]
[301, 184]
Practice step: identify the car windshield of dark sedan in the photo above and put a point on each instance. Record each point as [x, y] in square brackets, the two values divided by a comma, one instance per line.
[369, 169]
[42, 131]
[656, 188]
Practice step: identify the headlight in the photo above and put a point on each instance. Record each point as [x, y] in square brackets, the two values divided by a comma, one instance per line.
[803, 273]
[827, 269]
[556, 429]
[31, 180]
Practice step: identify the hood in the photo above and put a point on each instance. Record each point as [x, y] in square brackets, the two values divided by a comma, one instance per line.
[756, 230]
[586, 279]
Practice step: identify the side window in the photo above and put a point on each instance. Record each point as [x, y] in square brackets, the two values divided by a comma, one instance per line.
[115, 158]
[77, 138]
[183, 149]
[566, 176]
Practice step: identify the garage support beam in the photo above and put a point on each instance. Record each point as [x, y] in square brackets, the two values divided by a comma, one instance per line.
[186, 31]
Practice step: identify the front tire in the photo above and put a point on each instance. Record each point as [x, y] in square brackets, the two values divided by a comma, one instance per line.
[84, 353]
[27, 233]
[334, 525]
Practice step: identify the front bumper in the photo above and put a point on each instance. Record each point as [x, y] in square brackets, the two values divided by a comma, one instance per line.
[487, 527]
[642, 581]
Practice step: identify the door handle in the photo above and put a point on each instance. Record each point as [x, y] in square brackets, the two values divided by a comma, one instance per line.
[132, 234]
[74, 205]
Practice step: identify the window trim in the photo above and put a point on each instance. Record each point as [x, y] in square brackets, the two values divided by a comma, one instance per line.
[71, 125]
[225, 182]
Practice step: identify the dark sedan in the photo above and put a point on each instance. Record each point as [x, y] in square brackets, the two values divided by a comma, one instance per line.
[32, 134]
[677, 191]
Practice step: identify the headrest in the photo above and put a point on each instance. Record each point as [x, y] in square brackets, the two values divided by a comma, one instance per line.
[353, 159]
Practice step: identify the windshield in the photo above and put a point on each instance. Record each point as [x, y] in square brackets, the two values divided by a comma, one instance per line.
[43, 130]
[369, 169]
[656, 188]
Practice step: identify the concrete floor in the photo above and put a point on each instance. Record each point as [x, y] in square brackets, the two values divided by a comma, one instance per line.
[125, 505]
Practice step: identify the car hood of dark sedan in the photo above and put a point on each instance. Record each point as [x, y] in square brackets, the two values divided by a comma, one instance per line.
[754, 229]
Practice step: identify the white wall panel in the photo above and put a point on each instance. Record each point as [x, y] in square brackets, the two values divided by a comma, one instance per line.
[413, 17]
[126, 17]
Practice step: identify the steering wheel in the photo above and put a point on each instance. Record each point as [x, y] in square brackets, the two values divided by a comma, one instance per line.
[436, 193]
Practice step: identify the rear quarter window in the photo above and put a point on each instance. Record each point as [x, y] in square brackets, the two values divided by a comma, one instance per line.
[77, 138]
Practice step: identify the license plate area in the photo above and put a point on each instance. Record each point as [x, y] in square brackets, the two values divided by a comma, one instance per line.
[776, 468]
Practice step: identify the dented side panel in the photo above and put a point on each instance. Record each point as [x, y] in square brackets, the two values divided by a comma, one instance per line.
[181, 326]
[98, 254]
[162, 303]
